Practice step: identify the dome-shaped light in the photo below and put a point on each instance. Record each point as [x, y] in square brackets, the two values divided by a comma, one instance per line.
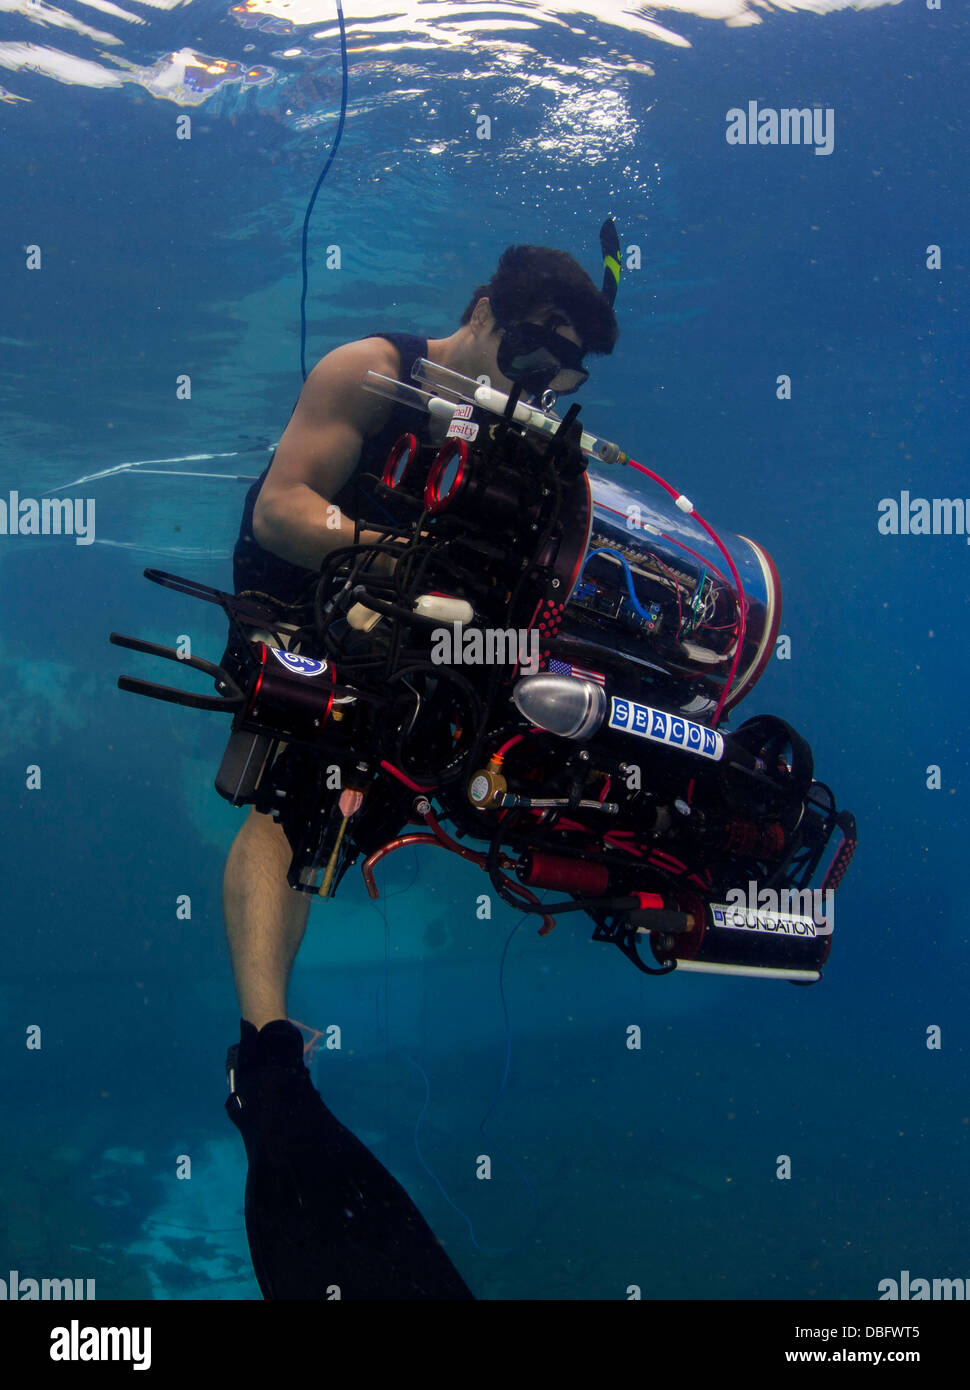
[565, 705]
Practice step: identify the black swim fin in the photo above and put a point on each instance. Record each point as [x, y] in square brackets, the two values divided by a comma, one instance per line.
[324, 1218]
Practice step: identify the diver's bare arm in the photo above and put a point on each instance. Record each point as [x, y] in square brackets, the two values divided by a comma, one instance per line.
[303, 528]
[318, 450]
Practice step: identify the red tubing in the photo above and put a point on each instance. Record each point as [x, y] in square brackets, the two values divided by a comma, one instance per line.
[742, 617]
[569, 875]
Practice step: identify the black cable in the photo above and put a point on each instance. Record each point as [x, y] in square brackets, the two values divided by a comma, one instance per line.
[451, 771]
[319, 184]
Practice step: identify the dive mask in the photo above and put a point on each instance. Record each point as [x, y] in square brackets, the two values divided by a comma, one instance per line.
[536, 357]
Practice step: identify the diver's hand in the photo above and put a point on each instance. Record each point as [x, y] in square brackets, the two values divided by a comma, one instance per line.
[383, 565]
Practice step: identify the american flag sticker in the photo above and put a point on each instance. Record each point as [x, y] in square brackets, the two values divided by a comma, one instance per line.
[566, 668]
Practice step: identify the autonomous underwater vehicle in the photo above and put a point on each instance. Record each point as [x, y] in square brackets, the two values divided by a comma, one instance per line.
[544, 671]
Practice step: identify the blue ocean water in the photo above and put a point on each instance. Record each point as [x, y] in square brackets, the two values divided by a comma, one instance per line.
[164, 256]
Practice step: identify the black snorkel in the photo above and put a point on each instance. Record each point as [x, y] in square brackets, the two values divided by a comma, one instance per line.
[610, 247]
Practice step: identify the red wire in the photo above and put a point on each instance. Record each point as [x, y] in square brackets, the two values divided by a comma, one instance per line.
[696, 554]
[516, 738]
[403, 777]
[674, 540]
[618, 844]
[662, 854]
[742, 617]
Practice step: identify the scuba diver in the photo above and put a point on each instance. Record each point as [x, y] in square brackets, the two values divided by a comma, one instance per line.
[324, 1218]
[393, 517]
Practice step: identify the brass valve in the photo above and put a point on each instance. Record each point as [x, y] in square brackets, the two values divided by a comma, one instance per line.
[487, 785]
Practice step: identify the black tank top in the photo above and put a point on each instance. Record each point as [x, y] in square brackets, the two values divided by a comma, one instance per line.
[253, 567]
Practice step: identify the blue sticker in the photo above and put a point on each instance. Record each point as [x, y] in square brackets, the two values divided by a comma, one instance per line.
[299, 665]
[671, 729]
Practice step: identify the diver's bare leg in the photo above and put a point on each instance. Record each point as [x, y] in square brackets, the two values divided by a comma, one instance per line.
[265, 918]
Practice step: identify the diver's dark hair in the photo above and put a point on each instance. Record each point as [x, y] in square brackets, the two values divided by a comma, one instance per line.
[531, 277]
